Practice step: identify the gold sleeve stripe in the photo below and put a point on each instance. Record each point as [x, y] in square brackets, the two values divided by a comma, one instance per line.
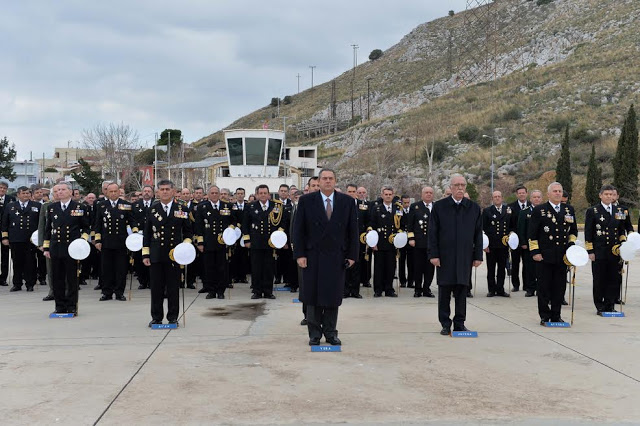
[85, 236]
[246, 237]
[187, 240]
[410, 235]
[200, 239]
[533, 245]
[46, 243]
[588, 245]
[145, 251]
[572, 238]
[98, 236]
[5, 235]
[623, 238]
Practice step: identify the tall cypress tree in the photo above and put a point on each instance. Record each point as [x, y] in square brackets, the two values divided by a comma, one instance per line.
[563, 168]
[625, 163]
[594, 179]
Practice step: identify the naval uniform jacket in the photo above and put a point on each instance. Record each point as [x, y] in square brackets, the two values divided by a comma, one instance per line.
[418, 224]
[603, 231]
[210, 223]
[164, 231]
[111, 224]
[496, 225]
[63, 227]
[19, 224]
[387, 224]
[551, 233]
[258, 225]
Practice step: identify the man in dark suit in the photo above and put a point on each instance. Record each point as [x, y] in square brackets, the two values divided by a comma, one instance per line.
[4, 250]
[516, 207]
[66, 221]
[239, 264]
[418, 233]
[352, 283]
[552, 230]
[405, 260]
[604, 231]
[529, 272]
[167, 226]
[496, 223]
[325, 242]
[19, 220]
[455, 243]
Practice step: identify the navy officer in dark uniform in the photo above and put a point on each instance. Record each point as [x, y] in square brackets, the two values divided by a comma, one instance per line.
[4, 250]
[418, 234]
[66, 221]
[140, 209]
[552, 230]
[19, 221]
[496, 223]
[167, 226]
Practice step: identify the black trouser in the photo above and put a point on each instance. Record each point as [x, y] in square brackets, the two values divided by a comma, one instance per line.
[240, 264]
[114, 271]
[215, 265]
[262, 266]
[423, 270]
[42, 266]
[496, 256]
[196, 268]
[552, 284]
[322, 320]
[529, 272]
[165, 278]
[4, 266]
[352, 280]
[606, 288]
[383, 269]
[24, 264]
[365, 265]
[65, 283]
[444, 305]
[515, 267]
[141, 271]
[406, 259]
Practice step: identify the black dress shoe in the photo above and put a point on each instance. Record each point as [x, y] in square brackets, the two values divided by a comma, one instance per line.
[221, 296]
[4, 284]
[203, 290]
[491, 294]
[181, 285]
[30, 288]
[411, 286]
[304, 322]
[255, 296]
[503, 294]
[377, 294]
[269, 296]
[564, 302]
[43, 282]
[230, 285]
[463, 328]
[121, 297]
[469, 294]
[212, 296]
[314, 342]
[104, 297]
[366, 285]
[515, 289]
[333, 340]
[529, 294]
[428, 293]
[403, 285]
[175, 321]
[346, 295]
[599, 313]
[154, 322]
[445, 331]
[557, 320]
[393, 294]
[543, 321]
[293, 290]
[98, 287]
[16, 288]
[191, 286]
[417, 295]
[83, 282]
[356, 296]
[48, 298]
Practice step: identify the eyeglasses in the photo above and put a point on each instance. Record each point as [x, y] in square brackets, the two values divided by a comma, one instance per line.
[459, 185]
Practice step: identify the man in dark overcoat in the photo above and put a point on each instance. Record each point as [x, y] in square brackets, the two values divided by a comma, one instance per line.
[325, 243]
[455, 244]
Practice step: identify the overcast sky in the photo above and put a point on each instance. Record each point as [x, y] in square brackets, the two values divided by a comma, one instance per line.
[194, 65]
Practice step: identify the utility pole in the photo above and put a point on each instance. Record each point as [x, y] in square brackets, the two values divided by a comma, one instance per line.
[312, 67]
[169, 157]
[155, 163]
[298, 76]
[353, 77]
[368, 99]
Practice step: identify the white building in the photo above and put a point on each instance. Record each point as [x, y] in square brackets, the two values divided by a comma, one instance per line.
[254, 157]
[27, 174]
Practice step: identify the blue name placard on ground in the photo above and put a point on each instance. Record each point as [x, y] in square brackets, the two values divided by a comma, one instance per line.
[282, 289]
[326, 348]
[60, 315]
[613, 314]
[296, 301]
[163, 326]
[557, 324]
[464, 334]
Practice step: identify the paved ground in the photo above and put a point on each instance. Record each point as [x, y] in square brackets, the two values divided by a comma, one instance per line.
[241, 362]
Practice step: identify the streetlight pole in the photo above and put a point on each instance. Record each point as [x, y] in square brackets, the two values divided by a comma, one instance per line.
[312, 67]
[298, 77]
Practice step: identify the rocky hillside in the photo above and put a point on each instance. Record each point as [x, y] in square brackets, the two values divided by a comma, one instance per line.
[569, 62]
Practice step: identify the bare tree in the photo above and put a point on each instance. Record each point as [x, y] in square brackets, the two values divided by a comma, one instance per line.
[116, 145]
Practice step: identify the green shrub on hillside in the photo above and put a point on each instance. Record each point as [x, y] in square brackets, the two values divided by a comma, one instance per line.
[558, 124]
[468, 133]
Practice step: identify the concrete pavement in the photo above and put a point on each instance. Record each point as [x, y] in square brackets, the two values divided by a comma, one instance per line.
[240, 361]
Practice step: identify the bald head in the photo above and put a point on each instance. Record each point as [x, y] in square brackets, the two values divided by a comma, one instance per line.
[427, 194]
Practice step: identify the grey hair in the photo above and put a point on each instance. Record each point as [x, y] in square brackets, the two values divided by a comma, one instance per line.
[456, 175]
[225, 189]
[553, 184]
[214, 186]
[536, 190]
[67, 184]
[386, 188]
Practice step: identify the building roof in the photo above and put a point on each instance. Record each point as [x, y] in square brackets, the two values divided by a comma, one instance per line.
[202, 164]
